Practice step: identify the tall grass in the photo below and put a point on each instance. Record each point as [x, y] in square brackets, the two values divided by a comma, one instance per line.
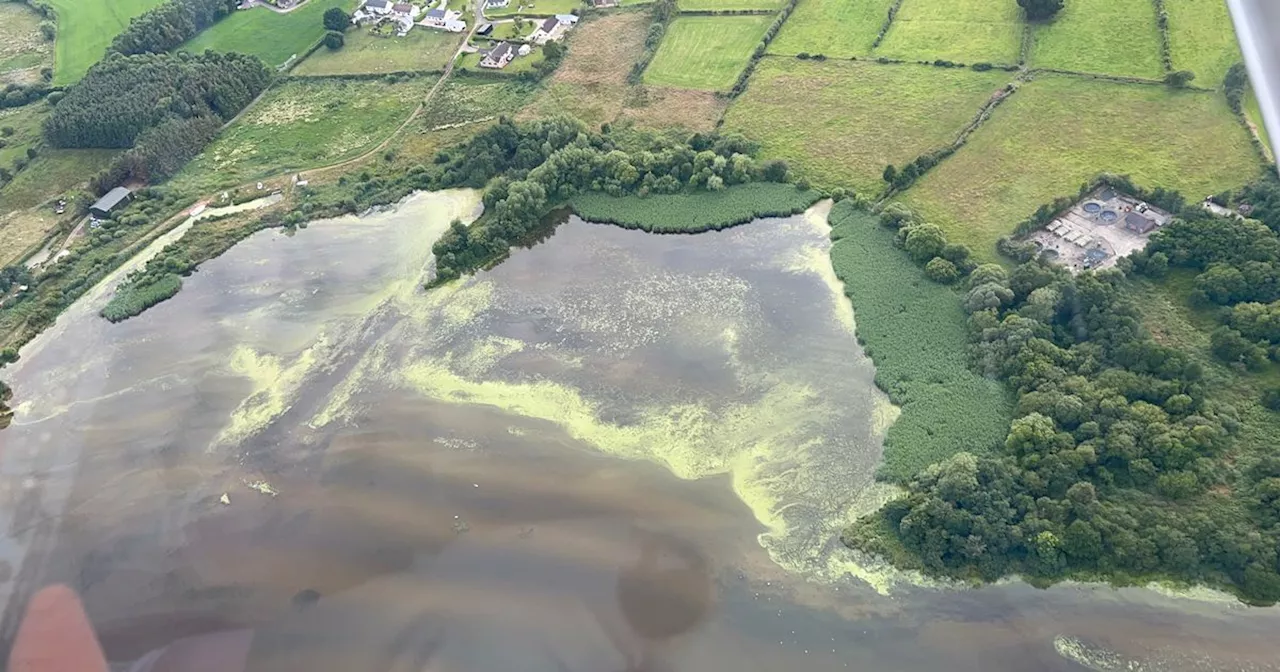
[915, 331]
[695, 213]
[132, 300]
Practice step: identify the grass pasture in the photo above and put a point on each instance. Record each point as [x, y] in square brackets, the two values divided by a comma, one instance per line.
[52, 173]
[916, 333]
[1202, 39]
[303, 123]
[966, 31]
[85, 30]
[857, 116]
[835, 28]
[1114, 37]
[727, 5]
[23, 50]
[1058, 132]
[271, 36]
[706, 52]
[591, 82]
[25, 122]
[465, 100]
[535, 8]
[421, 50]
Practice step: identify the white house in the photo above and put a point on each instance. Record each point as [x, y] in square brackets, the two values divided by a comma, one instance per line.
[377, 7]
[444, 20]
[406, 10]
[496, 4]
[498, 57]
[551, 29]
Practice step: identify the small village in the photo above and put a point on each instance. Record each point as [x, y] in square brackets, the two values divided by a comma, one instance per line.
[497, 42]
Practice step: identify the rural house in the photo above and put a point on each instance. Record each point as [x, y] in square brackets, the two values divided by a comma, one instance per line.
[404, 9]
[444, 20]
[112, 202]
[542, 33]
[498, 57]
[496, 4]
[604, 4]
[377, 6]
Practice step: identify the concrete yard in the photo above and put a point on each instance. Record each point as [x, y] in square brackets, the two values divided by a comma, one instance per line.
[1100, 229]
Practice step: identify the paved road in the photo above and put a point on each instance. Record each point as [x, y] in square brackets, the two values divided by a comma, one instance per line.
[1258, 27]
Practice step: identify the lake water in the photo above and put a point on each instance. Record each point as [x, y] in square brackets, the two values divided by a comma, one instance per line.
[614, 451]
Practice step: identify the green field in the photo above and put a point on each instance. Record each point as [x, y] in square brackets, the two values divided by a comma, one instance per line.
[1085, 37]
[23, 50]
[53, 172]
[857, 117]
[266, 34]
[471, 62]
[536, 8]
[85, 30]
[725, 5]
[966, 31]
[836, 28]
[25, 122]
[916, 332]
[1058, 132]
[1202, 39]
[420, 50]
[304, 123]
[706, 52]
[468, 99]
[694, 213]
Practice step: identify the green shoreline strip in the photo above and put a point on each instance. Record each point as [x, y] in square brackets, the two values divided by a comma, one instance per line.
[916, 333]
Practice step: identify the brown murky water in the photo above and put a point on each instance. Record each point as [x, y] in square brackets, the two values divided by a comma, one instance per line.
[615, 451]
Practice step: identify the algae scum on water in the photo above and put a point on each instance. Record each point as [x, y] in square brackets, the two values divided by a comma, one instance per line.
[726, 353]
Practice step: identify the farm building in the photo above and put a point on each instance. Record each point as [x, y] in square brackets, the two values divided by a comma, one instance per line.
[111, 203]
[1138, 223]
[603, 4]
[498, 57]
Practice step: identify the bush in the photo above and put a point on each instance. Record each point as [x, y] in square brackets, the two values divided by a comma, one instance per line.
[336, 19]
[1179, 78]
[334, 39]
[1040, 10]
[941, 271]
[1271, 398]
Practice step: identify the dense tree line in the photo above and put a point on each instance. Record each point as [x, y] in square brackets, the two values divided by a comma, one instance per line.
[169, 25]
[1237, 265]
[662, 12]
[531, 166]
[927, 245]
[1112, 432]
[122, 97]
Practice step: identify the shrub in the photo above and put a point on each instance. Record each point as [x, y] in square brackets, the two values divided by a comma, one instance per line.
[941, 271]
[1179, 78]
[334, 39]
[336, 19]
[1040, 10]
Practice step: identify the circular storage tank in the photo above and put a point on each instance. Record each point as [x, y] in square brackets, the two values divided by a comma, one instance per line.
[1109, 216]
[1092, 207]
